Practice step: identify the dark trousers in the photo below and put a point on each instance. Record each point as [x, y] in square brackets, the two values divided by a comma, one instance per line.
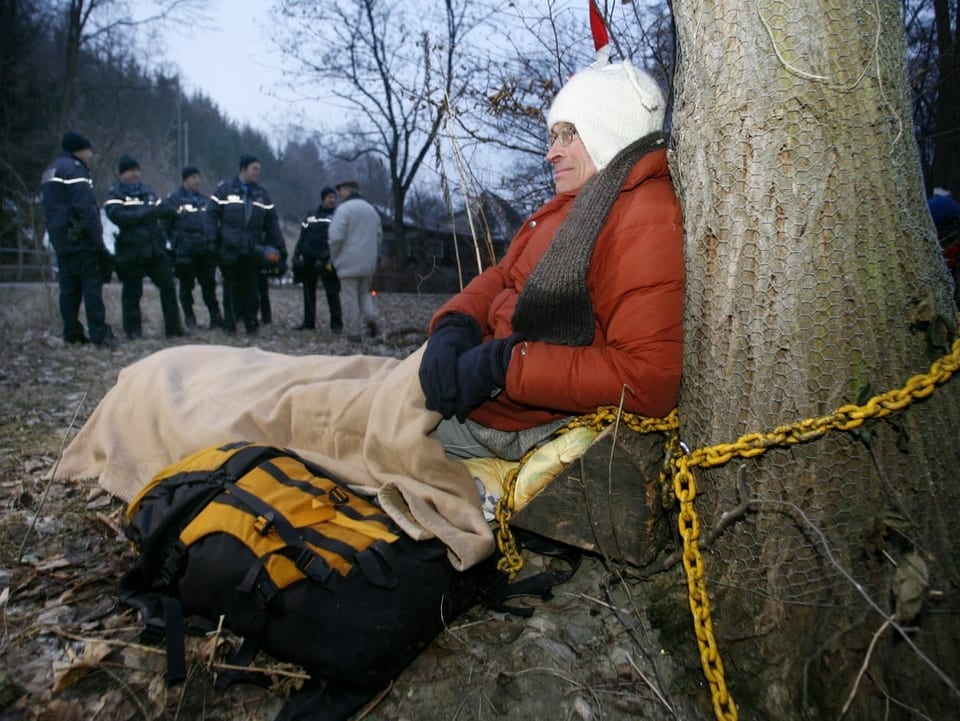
[158, 270]
[331, 287]
[80, 279]
[198, 270]
[240, 279]
[263, 293]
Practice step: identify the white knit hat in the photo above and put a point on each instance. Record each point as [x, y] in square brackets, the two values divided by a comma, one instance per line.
[611, 106]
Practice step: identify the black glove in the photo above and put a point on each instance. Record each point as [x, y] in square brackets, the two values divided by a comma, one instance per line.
[164, 211]
[454, 335]
[482, 373]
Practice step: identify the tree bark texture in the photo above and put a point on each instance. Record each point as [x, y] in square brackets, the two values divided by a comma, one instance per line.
[814, 281]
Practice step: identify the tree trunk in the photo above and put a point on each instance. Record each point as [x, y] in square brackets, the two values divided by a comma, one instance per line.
[399, 232]
[815, 281]
[946, 162]
[77, 14]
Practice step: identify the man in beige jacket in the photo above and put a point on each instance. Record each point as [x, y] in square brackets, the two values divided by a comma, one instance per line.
[355, 234]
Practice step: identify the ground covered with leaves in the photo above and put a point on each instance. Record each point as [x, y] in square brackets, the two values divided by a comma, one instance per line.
[69, 651]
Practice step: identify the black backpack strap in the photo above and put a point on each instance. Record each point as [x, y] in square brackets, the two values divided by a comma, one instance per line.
[297, 549]
[249, 456]
[242, 657]
[135, 593]
[162, 618]
[376, 562]
[494, 589]
[176, 653]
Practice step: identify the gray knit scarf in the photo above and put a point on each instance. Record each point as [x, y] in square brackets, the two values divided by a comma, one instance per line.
[554, 305]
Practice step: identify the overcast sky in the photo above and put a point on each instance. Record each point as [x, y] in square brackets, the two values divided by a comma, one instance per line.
[232, 61]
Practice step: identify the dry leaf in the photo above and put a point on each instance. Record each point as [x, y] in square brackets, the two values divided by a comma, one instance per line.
[52, 563]
[59, 710]
[910, 582]
[67, 674]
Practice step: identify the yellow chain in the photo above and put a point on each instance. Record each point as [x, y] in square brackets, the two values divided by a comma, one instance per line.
[685, 488]
[511, 562]
[845, 418]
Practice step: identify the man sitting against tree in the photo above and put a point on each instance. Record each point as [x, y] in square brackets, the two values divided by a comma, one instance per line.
[587, 304]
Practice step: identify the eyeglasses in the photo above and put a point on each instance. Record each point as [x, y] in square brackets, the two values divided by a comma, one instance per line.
[565, 135]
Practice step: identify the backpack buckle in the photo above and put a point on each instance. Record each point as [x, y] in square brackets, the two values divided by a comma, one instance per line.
[264, 523]
[312, 565]
[153, 631]
[171, 565]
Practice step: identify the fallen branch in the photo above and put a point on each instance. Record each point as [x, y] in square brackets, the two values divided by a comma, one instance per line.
[265, 670]
[863, 667]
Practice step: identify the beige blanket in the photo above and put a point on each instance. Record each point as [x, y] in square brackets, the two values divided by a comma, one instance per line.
[361, 417]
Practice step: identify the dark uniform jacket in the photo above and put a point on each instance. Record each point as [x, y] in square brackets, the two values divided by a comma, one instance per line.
[137, 212]
[243, 216]
[313, 241]
[188, 227]
[70, 207]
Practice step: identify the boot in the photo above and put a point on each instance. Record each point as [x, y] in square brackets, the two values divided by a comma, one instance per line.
[109, 341]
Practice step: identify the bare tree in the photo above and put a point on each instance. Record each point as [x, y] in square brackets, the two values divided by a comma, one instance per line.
[933, 66]
[815, 283]
[519, 77]
[946, 164]
[523, 73]
[94, 25]
[394, 66]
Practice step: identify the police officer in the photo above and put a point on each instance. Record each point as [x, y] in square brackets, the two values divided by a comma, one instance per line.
[194, 247]
[245, 220]
[141, 248]
[311, 259]
[73, 225]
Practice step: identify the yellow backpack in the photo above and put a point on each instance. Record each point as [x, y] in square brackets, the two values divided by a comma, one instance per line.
[298, 565]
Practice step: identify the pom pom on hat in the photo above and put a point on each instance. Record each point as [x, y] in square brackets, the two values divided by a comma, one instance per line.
[611, 106]
[126, 162]
[189, 170]
[73, 142]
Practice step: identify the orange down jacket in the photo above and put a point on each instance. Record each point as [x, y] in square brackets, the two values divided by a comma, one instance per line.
[636, 285]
